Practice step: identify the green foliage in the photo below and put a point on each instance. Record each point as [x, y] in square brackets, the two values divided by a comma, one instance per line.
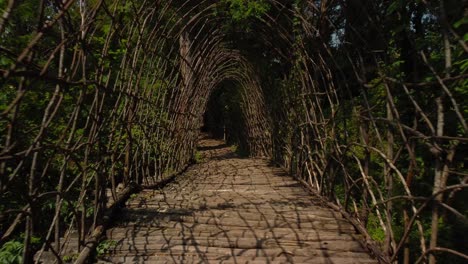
[239, 150]
[234, 148]
[374, 228]
[11, 252]
[240, 10]
[461, 22]
[105, 246]
[70, 258]
[198, 157]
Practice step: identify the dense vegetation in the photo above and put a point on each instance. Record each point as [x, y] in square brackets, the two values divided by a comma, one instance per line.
[364, 101]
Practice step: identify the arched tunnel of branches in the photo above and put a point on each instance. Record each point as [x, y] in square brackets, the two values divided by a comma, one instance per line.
[363, 101]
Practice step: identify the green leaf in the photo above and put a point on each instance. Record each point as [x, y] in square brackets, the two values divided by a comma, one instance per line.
[11, 252]
[461, 22]
[393, 7]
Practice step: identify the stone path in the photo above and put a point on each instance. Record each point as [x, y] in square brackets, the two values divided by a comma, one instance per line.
[231, 210]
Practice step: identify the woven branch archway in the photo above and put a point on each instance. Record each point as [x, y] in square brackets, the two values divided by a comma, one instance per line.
[99, 94]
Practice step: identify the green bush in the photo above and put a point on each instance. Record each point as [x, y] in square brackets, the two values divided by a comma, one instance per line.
[105, 246]
[11, 252]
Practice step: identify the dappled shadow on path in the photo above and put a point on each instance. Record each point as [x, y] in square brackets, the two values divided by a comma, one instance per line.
[231, 210]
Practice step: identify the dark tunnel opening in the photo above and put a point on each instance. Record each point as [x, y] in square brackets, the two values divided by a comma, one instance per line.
[223, 117]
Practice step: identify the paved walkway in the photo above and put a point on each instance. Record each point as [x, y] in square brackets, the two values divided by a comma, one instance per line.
[231, 210]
